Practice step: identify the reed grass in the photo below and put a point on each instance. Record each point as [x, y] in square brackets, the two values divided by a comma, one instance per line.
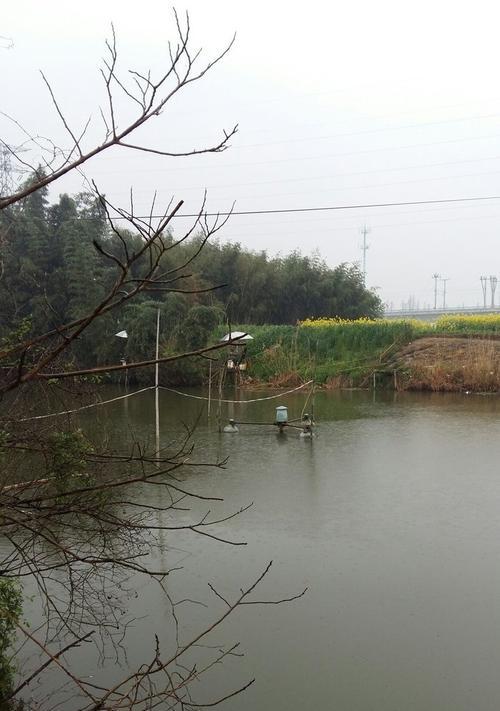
[337, 352]
[475, 368]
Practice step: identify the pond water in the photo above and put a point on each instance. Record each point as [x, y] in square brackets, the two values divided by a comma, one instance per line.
[390, 518]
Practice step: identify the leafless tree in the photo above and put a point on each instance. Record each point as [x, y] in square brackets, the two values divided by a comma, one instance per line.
[78, 530]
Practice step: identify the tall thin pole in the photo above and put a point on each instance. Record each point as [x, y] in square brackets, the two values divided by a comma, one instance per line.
[444, 291]
[493, 286]
[364, 247]
[435, 276]
[157, 389]
[484, 287]
[209, 387]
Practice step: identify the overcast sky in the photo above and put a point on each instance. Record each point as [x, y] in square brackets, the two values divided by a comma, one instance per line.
[337, 104]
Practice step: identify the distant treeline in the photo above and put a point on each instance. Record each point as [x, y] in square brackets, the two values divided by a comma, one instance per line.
[51, 273]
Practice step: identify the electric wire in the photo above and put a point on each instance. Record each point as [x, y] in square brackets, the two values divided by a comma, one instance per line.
[335, 176]
[383, 129]
[323, 208]
[322, 156]
[86, 407]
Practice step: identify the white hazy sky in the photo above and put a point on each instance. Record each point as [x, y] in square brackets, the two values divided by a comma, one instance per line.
[337, 103]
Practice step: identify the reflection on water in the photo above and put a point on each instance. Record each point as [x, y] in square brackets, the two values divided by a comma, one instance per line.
[391, 518]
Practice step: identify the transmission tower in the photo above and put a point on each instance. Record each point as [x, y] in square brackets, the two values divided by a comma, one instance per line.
[493, 287]
[444, 291]
[364, 231]
[436, 276]
[484, 287]
[7, 170]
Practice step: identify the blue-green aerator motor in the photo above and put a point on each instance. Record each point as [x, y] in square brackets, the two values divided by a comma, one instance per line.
[281, 415]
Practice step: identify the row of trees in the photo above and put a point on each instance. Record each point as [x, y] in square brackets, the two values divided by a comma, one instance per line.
[56, 266]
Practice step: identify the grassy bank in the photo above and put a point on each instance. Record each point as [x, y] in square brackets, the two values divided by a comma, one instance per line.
[340, 353]
[448, 364]
[327, 350]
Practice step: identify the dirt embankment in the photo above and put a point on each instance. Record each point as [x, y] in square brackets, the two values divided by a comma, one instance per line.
[448, 364]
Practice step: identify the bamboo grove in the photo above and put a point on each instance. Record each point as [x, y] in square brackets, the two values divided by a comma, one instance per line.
[53, 273]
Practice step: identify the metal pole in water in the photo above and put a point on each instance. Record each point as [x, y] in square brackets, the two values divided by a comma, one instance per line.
[209, 387]
[157, 390]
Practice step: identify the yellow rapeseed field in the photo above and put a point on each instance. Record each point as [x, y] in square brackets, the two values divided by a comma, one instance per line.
[489, 323]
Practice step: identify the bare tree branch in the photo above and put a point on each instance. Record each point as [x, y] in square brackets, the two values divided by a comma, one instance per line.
[153, 96]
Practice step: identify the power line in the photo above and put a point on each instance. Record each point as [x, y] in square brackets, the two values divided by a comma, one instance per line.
[349, 228]
[326, 208]
[365, 131]
[330, 155]
[330, 176]
[348, 124]
[369, 186]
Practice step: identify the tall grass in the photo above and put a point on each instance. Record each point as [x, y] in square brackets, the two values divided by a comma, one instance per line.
[326, 348]
[475, 367]
[339, 350]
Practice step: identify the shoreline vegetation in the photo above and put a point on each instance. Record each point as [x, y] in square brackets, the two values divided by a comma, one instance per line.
[453, 354]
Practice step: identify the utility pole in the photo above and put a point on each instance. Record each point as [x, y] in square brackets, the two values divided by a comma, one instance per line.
[436, 276]
[157, 388]
[484, 286]
[444, 291]
[364, 247]
[493, 287]
[7, 170]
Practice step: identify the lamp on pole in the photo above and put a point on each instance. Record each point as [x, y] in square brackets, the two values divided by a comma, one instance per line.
[123, 334]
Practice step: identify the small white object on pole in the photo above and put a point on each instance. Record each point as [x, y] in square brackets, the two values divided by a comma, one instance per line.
[237, 336]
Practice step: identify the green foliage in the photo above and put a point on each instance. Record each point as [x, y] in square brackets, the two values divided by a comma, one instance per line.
[18, 333]
[283, 290]
[189, 371]
[67, 452]
[326, 348]
[198, 325]
[53, 274]
[10, 613]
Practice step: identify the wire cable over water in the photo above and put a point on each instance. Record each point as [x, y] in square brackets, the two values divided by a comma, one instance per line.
[238, 402]
[86, 407]
[152, 387]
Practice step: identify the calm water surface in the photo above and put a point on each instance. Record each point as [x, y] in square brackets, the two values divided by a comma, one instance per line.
[390, 518]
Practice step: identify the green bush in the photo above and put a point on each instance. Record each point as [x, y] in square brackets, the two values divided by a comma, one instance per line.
[10, 613]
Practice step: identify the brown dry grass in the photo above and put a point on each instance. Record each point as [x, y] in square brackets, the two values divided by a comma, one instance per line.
[337, 382]
[450, 364]
[290, 379]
